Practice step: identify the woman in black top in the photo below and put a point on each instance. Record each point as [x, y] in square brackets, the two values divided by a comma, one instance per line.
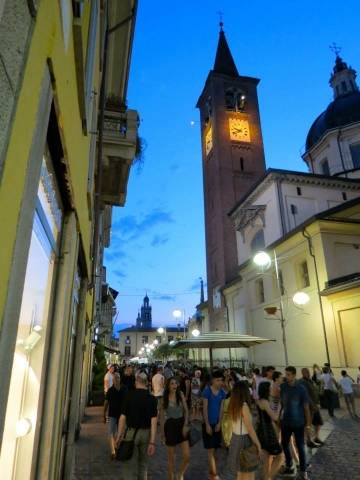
[271, 448]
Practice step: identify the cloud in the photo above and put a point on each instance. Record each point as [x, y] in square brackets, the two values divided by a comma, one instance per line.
[119, 273]
[130, 227]
[166, 298]
[159, 240]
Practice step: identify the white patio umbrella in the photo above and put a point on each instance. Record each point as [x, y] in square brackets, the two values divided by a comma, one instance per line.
[218, 339]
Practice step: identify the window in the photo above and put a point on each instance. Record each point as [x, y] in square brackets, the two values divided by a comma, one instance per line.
[344, 196]
[170, 338]
[158, 339]
[230, 99]
[127, 340]
[127, 351]
[258, 242]
[343, 87]
[259, 291]
[298, 191]
[281, 283]
[324, 165]
[355, 154]
[304, 275]
[144, 339]
[241, 164]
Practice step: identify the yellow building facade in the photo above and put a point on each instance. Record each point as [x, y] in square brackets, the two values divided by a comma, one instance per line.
[49, 182]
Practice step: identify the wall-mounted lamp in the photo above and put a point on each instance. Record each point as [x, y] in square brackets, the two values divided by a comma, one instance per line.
[23, 427]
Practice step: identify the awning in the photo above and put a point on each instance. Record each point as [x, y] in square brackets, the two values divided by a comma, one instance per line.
[217, 339]
[221, 340]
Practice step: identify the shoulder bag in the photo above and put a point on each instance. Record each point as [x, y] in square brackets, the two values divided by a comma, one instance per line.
[126, 448]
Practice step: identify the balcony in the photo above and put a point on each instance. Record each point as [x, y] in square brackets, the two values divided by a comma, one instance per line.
[120, 140]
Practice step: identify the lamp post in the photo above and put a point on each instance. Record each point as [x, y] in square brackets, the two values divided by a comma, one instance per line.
[263, 260]
[162, 331]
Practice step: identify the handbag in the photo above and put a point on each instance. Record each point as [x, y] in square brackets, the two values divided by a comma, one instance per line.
[249, 457]
[126, 448]
[267, 435]
[193, 436]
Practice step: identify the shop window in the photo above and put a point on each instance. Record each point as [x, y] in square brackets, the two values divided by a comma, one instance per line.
[355, 154]
[304, 274]
[29, 358]
[259, 291]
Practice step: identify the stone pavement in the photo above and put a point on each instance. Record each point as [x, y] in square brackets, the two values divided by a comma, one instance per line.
[339, 459]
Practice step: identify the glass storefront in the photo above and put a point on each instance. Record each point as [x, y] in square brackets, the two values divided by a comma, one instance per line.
[29, 364]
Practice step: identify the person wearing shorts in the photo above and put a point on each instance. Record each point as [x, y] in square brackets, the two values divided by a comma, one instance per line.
[213, 405]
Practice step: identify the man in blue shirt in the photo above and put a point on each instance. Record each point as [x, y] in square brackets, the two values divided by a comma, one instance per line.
[295, 417]
[213, 404]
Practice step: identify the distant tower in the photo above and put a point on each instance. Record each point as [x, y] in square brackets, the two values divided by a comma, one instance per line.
[144, 320]
[233, 160]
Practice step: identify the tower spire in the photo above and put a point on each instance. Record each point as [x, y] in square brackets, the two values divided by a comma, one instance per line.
[202, 297]
[343, 77]
[224, 62]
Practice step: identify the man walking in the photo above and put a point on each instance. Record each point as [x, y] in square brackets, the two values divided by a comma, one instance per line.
[108, 383]
[313, 398]
[158, 382]
[138, 421]
[346, 384]
[330, 390]
[295, 417]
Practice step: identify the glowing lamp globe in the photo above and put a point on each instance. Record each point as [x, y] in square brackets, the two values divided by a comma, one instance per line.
[161, 330]
[262, 259]
[301, 298]
[195, 332]
[177, 313]
[23, 427]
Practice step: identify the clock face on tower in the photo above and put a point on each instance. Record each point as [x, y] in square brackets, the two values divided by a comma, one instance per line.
[239, 130]
[208, 141]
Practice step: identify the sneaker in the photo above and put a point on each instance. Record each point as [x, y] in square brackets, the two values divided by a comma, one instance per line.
[287, 470]
[312, 444]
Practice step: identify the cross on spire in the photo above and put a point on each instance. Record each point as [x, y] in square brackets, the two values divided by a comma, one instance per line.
[335, 48]
[221, 18]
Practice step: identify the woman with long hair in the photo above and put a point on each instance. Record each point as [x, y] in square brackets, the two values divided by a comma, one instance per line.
[174, 419]
[268, 434]
[243, 432]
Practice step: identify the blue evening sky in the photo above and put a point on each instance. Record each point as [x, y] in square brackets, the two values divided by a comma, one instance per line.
[157, 242]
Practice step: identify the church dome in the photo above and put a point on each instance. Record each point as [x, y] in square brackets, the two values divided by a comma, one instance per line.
[345, 109]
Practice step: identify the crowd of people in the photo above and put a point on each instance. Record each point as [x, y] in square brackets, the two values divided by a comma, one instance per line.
[263, 418]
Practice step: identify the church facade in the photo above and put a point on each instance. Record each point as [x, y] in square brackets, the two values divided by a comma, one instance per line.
[307, 223]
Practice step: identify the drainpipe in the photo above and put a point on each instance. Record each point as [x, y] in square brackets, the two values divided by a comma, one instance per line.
[281, 205]
[308, 238]
[341, 154]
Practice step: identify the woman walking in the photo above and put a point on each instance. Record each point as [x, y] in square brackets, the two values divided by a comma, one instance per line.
[268, 434]
[243, 433]
[174, 419]
[114, 397]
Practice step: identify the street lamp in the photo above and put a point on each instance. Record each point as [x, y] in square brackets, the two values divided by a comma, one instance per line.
[195, 332]
[263, 260]
[156, 342]
[301, 298]
[161, 330]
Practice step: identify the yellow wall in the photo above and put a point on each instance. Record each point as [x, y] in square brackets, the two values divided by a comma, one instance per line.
[47, 42]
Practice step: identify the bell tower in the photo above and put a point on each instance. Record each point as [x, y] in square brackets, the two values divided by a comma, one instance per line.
[233, 160]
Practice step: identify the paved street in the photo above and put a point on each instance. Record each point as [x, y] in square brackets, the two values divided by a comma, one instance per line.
[338, 459]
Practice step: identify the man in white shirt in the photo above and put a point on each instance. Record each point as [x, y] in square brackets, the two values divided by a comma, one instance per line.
[158, 382]
[346, 384]
[108, 383]
[330, 390]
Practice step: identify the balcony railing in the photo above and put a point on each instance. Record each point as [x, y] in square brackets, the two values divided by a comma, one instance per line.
[119, 150]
